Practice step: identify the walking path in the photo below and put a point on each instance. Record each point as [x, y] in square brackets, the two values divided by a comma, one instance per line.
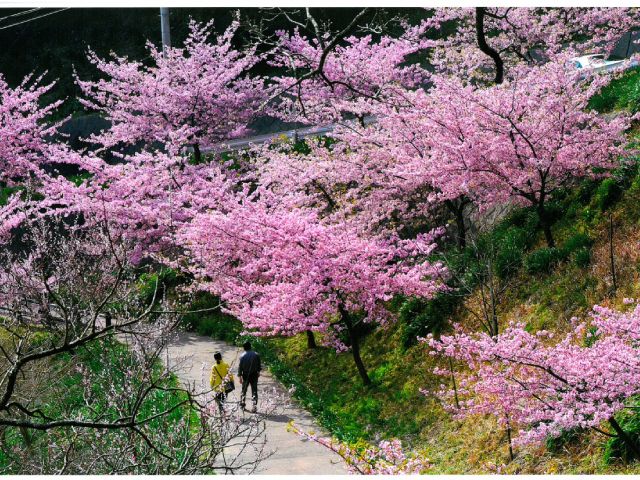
[191, 355]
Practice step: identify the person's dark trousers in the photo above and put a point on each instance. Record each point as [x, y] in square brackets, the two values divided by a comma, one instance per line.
[246, 381]
[220, 398]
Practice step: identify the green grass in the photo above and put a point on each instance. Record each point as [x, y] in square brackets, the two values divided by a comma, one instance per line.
[207, 319]
[622, 93]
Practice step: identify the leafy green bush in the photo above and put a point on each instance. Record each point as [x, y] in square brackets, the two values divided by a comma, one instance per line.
[516, 218]
[577, 241]
[555, 210]
[608, 193]
[378, 375]
[542, 260]
[207, 319]
[586, 190]
[6, 192]
[152, 284]
[582, 257]
[525, 218]
[555, 444]
[511, 246]
[420, 317]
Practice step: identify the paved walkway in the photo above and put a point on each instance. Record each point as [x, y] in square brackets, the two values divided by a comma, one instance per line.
[190, 355]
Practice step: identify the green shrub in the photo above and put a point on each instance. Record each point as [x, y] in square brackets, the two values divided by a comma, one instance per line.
[511, 246]
[555, 444]
[525, 218]
[6, 192]
[576, 242]
[378, 375]
[621, 93]
[586, 190]
[420, 317]
[608, 193]
[582, 257]
[213, 323]
[516, 218]
[156, 284]
[542, 260]
[555, 210]
[605, 101]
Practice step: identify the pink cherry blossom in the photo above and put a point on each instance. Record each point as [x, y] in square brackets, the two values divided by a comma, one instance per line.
[539, 387]
[198, 95]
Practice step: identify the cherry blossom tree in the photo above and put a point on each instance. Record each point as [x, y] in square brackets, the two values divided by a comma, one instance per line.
[497, 38]
[146, 199]
[378, 177]
[522, 139]
[330, 82]
[27, 148]
[283, 272]
[540, 386]
[198, 95]
[351, 180]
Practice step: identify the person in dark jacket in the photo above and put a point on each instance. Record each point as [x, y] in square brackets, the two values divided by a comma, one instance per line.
[248, 373]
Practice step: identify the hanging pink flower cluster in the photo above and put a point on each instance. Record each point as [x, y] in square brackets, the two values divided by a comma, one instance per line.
[27, 151]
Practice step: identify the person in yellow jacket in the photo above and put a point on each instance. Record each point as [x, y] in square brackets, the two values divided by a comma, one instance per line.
[221, 380]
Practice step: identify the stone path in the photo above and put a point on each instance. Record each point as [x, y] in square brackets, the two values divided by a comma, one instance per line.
[189, 354]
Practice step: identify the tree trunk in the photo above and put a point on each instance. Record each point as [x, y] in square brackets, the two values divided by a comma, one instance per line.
[458, 212]
[311, 340]
[511, 455]
[626, 438]
[197, 155]
[484, 46]
[546, 225]
[548, 236]
[494, 318]
[355, 347]
[611, 256]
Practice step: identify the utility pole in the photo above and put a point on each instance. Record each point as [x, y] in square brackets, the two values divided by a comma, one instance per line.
[166, 32]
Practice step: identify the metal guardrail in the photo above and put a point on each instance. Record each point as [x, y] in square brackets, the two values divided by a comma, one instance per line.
[293, 134]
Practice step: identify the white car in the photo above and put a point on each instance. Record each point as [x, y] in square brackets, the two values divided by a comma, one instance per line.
[597, 63]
